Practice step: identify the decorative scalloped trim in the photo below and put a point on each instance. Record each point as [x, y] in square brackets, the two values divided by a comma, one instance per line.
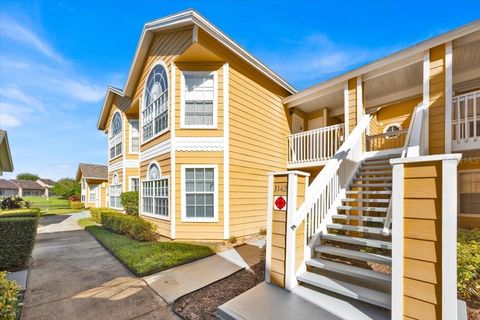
[156, 150]
[199, 144]
[132, 164]
[116, 166]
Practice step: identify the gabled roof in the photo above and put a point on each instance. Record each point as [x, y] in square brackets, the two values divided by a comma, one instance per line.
[92, 171]
[416, 49]
[7, 184]
[5, 155]
[27, 184]
[47, 181]
[180, 20]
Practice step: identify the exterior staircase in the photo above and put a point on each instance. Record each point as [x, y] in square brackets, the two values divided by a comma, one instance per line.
[353, 245]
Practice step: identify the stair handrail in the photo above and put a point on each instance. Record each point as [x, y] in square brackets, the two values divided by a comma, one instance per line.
[322, 180]
[411, 148]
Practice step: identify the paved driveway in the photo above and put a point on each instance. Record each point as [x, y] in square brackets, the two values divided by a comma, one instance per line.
[73, 277]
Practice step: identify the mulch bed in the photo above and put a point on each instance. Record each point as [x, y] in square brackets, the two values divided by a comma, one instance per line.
[473, 310]
[203, 303]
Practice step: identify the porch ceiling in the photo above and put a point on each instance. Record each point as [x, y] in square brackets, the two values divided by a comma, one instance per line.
[332, 101]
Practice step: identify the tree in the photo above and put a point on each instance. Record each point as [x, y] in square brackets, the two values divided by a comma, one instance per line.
[27, 176]
[66, 187]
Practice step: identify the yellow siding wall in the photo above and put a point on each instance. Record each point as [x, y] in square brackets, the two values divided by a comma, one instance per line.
[398, 113]
[278, 243]
[352, 104]
[422, 240]
[199, 230]
[437, 101]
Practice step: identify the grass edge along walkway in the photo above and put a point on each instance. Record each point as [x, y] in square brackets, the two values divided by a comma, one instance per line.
[144, 258]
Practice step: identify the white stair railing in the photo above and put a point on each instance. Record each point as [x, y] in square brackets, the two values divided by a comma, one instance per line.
[411, 148]
[315, 145]
[326, 189]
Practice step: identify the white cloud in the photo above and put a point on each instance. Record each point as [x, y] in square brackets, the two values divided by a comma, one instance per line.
[16, 94]
[12, 29]
[9, 121]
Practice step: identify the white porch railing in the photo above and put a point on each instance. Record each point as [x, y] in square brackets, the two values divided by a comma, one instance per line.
[328, 187]
[314, 146]
[385, 141]
[466, 121]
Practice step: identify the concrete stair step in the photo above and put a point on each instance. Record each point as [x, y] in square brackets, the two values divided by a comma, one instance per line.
[376, 161]
[348, 270]
[346, 289]
[370, 192]
[374, 167]
[346, 227]
[384, 201]
[358, 241]
[371, 185]
[358, 218]
[374, 209]
[374, 179]
[372, 172]
[352, 254]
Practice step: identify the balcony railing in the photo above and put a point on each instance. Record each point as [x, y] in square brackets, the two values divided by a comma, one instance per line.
[466, 121]
[314, 147]
[386, 141]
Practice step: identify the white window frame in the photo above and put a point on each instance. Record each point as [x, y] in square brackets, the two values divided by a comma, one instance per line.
[83, 196]
[117, 139]
[131, 136]
[400, 128]
[147, 179]
[459, 213]
[142, 107]
[215, 100]
[184, 196]
[119, 196]
[96, 187]
[130, 185]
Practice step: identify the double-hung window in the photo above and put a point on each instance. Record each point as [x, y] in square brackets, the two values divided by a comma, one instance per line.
[134, 137]
[92, 196]
[115, 192]
[134, 184]
[115, 142]
[200, 193]
[469, 192]
[155, 193]
[155, 106]
[83, 190]
[199, 100]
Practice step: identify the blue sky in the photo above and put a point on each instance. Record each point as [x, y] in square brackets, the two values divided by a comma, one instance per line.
[57, 57]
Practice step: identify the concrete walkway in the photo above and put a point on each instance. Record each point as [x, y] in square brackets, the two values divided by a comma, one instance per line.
[73, 277]
[176, 282]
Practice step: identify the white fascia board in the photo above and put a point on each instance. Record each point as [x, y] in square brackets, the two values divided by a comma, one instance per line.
[474, 26]
[111, 92]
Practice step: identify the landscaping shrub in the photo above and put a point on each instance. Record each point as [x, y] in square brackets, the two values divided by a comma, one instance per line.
[129, 201]
[15, 202]
[76, 205]
[96, 213]
[74, 198]
[8, 298]
[21, 213]
[134, 227]
[18, 232]
[468, 261]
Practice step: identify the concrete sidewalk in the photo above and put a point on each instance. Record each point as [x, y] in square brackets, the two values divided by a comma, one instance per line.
[176, 282]
[73, 277]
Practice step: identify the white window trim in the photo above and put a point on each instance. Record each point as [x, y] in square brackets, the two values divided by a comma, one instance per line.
[215, 100]
[130, 183]
[151, 215]
[90, 192]
[142, 106]
[459, 213]
[112, 185]
[130, 138]
[391, 125]
[122, 137]
[184, 197]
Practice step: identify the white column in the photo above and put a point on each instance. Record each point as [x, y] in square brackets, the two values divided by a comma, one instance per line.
[290, 275]
[345, 109]
[172, 155]
[448, 97]
[426, 99]
[449, 239]
[226, 153]
[397, 242]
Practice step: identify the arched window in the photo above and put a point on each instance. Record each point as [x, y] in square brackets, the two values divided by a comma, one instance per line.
[115, 191]
[155, 105]
[391, 128]
[116, 136]
[155, 192]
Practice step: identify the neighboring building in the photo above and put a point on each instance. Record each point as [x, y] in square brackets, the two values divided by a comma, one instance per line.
[8, 188]
[29, 188]
[47, 184]
[6, 163]
[94, 180]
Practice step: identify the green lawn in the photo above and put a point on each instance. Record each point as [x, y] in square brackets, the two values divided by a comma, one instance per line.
[144, 258]
[54, 205]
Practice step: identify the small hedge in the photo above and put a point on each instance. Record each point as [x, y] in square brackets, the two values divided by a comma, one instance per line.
[468, 261]
[8, 298]
[76, 205]
[96, 213]
[31, 212]
[18, 231]
[129, 201]
[133, 227]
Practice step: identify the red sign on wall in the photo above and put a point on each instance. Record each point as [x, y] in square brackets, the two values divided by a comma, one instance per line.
[280, 203]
